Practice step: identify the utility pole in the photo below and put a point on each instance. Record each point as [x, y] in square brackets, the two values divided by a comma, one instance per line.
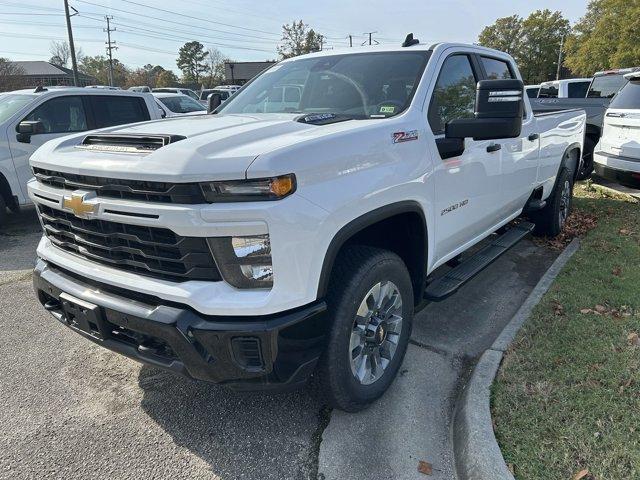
[559, 71]
[371, 41]
[351, 40]
[72, 47]
[321, 41]
[110, 46]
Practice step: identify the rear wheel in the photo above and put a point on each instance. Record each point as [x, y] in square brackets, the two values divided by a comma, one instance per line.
[550, 221]
[371, 301]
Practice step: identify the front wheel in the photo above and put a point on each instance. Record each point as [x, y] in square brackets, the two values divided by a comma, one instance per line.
[371, 301]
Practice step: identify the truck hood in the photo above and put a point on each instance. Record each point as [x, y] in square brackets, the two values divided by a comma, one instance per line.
[216, 147]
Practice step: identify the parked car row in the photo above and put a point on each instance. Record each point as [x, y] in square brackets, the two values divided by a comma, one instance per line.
[560, 95]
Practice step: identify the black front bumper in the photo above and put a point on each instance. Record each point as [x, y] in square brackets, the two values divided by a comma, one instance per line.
[249, 353]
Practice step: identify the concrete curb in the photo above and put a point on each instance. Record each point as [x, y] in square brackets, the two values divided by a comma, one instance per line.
[476, 450]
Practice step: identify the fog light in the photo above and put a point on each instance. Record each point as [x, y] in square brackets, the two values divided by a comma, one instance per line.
[244, 262]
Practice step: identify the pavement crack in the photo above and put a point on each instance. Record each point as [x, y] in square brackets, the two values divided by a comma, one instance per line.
[324, 417]
[439, 351]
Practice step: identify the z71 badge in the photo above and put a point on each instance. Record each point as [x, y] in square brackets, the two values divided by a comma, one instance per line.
[400, 137]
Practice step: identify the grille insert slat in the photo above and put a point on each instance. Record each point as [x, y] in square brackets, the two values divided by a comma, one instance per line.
[149, 251]
[156, 192]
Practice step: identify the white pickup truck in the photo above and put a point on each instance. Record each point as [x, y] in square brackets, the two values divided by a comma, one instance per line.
[259, 249]
[30, 118]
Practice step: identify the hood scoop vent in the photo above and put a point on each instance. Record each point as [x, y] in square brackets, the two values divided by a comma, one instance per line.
[126, 143]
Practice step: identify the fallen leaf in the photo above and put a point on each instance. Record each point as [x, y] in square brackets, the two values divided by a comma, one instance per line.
[624, 231]
[633, 339]
[584, 311]
[425, 467]
[617, 271]
[601, 308]
[581, 474]
[511, 468]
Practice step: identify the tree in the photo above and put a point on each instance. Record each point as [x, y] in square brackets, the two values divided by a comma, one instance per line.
[98, 67]
[167, 79]
[214, 67]
[605, 38]
[10, 76]
[61, 54]
[298, 39]
[146, 75]
[534, 42]
[503, 35]
[191, 60]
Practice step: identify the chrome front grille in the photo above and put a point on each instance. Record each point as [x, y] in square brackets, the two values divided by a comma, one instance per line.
[156, 252]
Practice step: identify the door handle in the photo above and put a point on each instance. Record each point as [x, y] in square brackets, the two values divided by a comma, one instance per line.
[533, 137]
[494, 148]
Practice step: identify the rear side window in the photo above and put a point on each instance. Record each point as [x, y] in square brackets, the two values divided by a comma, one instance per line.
[628, 97]
[532, 92]
[606, 86]
[454, 94]
[497, 69]
[577, 89]
[61, 115]
[110, 110]
[548, 91]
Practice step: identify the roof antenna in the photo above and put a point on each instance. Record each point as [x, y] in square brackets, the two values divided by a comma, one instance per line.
[410, 41]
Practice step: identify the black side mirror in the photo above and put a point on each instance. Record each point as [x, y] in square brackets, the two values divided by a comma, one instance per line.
[27, 128]
[214, 101]
[498, 112]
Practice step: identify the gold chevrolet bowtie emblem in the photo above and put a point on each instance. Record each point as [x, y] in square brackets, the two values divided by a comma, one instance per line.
[76, 203]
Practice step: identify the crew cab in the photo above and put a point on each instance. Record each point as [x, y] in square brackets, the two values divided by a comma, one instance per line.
[30, 118]
[257, 249]
[617, 155]
[567, 88]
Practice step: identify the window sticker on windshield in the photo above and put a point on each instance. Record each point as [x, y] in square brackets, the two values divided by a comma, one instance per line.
[387, 109]
[400, 137]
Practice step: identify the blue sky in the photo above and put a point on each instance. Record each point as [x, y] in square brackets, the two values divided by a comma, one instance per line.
[151, 31]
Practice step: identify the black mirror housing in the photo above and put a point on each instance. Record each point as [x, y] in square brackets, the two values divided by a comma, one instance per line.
[499, 109]
[30, 127]
[213, 101]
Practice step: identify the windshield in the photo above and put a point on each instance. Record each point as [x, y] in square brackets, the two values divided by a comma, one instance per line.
[606, 86]
[10, 104]
[361, 85]
[182, 104]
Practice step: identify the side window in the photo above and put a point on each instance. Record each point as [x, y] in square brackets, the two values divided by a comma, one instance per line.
[110, 110]
[61, 115]
[496, 69]
[578, 89]
[454, 94]
[291, 95]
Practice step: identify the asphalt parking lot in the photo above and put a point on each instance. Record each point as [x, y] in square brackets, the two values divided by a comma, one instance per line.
[70, 409]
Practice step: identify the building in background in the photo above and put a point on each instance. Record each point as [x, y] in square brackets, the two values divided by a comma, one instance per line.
[239, 73]
[35, 73]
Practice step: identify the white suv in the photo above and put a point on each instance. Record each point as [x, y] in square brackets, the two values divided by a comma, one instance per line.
[29, 118]
[617, 155]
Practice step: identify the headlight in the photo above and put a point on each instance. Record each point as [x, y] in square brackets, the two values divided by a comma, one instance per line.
[274, 188]
[244, 262]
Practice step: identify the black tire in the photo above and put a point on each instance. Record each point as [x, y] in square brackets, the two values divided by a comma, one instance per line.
[552, 218]
[3, 211]
[587, 159]
[357, 271]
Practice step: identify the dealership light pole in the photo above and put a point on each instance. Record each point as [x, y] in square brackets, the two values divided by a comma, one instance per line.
[559, 71]
[72, 47]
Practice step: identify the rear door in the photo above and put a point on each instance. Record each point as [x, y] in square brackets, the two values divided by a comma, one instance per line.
[621, 132]
[520, 156]
[467, 188]
[112, 110]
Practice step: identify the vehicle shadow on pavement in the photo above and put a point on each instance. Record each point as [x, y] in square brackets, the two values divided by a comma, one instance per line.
[19, 238]
[240, 435]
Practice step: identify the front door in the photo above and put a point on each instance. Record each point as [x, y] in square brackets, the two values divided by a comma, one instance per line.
[467, 187]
